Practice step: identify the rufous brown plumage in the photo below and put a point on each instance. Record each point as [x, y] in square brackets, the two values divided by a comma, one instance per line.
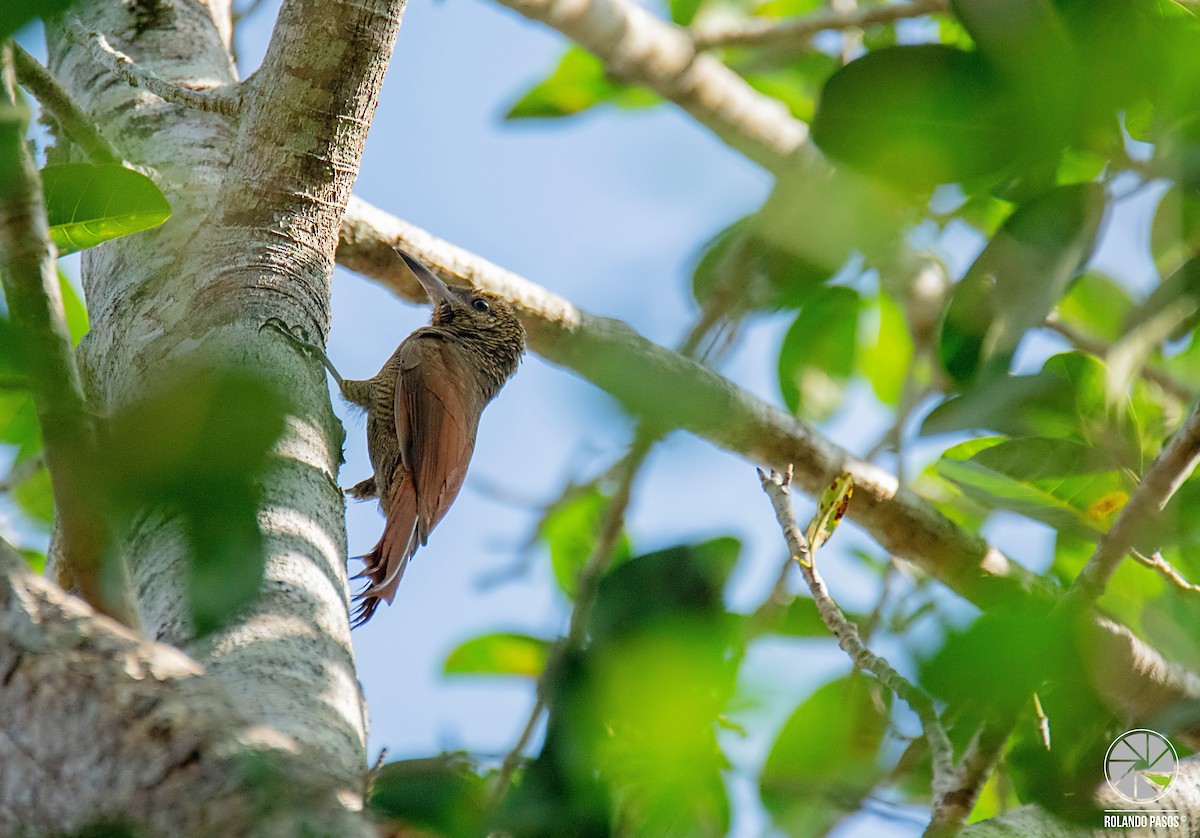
[423, 409]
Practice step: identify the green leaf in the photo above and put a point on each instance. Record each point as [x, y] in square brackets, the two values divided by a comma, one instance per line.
[499, 654]
[886, 362]
[1175, 234]
[826, 757]
[440, 795]
[73, 307]
[1068, 485]
[576, 84]
[831, 508]
[917, 116]
[1096, 305]
[14, 14]
[571, 530]
[198, 449]
[34, 494]
[1017, 280]
[87, 205]
[819, 353]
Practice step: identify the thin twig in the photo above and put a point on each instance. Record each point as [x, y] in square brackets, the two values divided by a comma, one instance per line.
[1165, 475]
[585, 598]
[953, 805]
[78, 126]
[1100, 349]
[222, 100]
[1155, 561]
[796, 32]
[778, 489]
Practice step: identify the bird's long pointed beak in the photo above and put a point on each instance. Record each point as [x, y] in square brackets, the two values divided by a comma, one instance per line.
[437, 290]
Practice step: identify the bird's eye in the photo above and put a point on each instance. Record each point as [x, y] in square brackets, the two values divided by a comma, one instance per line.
[480, 304]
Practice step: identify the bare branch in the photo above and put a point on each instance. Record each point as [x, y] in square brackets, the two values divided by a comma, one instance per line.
[1165, 475]
[222, 100]
[78, 126]
[796, 32]
[701, 401]
[638, 47]
[954, 803]
[778, 489]
[1156, 562]
[35, 307]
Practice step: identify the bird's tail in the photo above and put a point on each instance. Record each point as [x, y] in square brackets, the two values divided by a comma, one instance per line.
[384, 565]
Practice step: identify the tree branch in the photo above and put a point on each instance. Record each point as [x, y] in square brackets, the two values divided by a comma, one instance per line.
[701, 401]
[638, 47]
[31, 291]
[1165, 475]
[97, 723]
[778, 489]
[223, 100]
[796, 32]
[78, 126]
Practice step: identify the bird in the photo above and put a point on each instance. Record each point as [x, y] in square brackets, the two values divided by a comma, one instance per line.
[423, 409]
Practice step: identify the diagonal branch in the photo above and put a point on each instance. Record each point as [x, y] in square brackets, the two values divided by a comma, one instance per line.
[778, 489]
[797, 32]
[1165, 475]
[222, 100]
[701, 401]
[78, 126]
[637, 46]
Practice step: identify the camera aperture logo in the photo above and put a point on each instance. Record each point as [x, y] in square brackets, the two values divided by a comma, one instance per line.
[1140, 766]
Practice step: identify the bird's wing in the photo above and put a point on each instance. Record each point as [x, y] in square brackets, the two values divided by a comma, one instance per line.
[437, 414]
[437, 417]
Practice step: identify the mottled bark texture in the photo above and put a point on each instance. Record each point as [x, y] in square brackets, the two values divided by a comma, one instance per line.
[257, 206]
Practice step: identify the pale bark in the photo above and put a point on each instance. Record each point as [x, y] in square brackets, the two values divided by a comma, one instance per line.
[257, 206]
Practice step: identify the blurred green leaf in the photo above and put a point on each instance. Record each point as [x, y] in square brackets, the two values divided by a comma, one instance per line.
[819, 353]
[886, 361]
[14, 14]
[786, 8]
[442, 794]
[826, 757]
[88, 204]
[499, 654]
[1021, 648]
[33, 493]
[1068, 485]
[1066, 399]
[1175, 234]
[917, 116]
[576, 84]
[1017, 280]
[73, 307]
[571, 530]
[19, 422]
[197, 448]
[676, 582]
[800, 618]
[1096, 305]
[683, 12]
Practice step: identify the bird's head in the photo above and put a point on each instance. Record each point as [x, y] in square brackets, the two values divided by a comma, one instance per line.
[481, 319]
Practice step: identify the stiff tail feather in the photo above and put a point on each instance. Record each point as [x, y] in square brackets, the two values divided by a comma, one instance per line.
[385, 564]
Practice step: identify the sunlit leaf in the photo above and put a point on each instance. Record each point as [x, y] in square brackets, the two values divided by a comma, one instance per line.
[1096, 305]
[1017, 280]
[1065, 484]
[831, 508]
[498, 654]
[917, 116]
[826, 757]
[819, 353]
[579, 82]
[87, 204]
[1175, 234]
[886, 361]
[73, 307]
[572, 530]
